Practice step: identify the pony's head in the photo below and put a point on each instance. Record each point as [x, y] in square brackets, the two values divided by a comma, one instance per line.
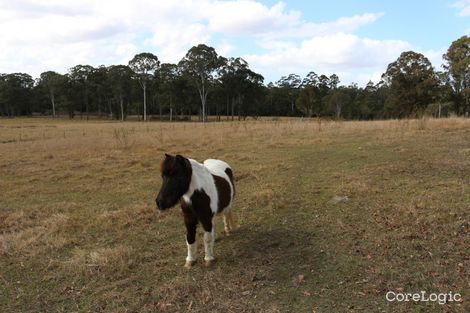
[176, 176]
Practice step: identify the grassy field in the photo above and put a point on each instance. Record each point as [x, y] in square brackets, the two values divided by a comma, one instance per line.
[332, 216]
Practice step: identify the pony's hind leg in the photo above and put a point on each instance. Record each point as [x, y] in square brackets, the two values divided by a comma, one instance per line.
[227, 223]
[232, 223]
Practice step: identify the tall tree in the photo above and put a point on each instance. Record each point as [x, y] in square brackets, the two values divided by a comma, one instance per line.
[52, 82]
[337, 99]
[231, 75]
[239, 82]
[324, 84]
[311, 79]
[5, 109]
[412, 82]
[333, 81]
[168, 75]
[201, 64]
[16, 94]
[100, 89]
[70, 95]
[291, 84]
[313, 90]
[457, 65]
[308, 101]
[120, 80]
[144, 66]
[79, 75]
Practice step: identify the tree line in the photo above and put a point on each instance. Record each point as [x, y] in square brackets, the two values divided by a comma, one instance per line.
[204, 83]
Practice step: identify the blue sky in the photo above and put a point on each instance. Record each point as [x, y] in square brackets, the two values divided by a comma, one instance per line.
[428, 24]
[354, 39]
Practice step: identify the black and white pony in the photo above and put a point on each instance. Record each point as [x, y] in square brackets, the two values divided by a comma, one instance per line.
[203, 191]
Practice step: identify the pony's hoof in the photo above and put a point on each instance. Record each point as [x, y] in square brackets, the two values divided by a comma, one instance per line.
[227, 233]
[189, 264]
[209, 263]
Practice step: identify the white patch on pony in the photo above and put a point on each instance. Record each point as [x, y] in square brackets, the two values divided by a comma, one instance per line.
[201, 179]
[218, 167]
[192, 251]
[209, 238]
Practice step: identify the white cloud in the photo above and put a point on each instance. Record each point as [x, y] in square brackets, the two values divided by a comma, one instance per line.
[245, 17]
[344, 54]
[173, 40]
[43, 35]
[39, 35]
[463, 6]
[435, 57]
[343, 24]
[224, 48]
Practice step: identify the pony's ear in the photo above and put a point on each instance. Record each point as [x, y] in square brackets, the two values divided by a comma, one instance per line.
[180, 158]
[184, 162]
[167, 156]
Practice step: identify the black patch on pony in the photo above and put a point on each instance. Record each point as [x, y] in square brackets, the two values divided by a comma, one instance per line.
[176, 177]
[199, 210]
[223, 192]
[229, 173]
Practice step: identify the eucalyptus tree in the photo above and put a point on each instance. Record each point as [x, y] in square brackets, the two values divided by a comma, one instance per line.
[79, 76]
[333, 81]
[311, 79]
[230, 75]
[307, 100]
[16, 94]
[120, 82]
[100, 89]
[412, 82]
[52, 81]
[70, 95]
[323, 85]
[457, 66]
[186, 97]
[168, 75]
[201, 63]
[275, 101]
[252, 89]
[310, 95]
[144, 66]
[239, 82]
[337, 99]
[4, 105]
[291, 84]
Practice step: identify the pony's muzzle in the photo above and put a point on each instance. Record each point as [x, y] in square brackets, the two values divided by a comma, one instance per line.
[159, 204]
[162, 203]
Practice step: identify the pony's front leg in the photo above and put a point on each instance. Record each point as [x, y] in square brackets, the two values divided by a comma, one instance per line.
[209, 238]
[191, 223]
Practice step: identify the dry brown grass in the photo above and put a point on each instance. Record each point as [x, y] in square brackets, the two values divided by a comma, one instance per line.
[98, 257]
[47, 234]
[79, 231]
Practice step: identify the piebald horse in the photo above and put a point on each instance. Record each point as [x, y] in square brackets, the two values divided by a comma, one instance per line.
[203, 191]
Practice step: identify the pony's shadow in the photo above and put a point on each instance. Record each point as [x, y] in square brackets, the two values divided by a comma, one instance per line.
[275, 248]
